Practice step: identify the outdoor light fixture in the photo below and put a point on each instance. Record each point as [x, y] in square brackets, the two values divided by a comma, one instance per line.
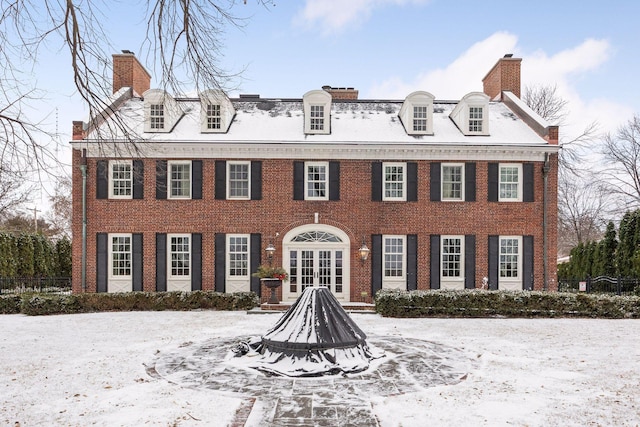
[364, 251]
[270, 249]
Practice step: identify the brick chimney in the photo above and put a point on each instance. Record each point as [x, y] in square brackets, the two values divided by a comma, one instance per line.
[129, 72]
[341, 92]
[505, 75]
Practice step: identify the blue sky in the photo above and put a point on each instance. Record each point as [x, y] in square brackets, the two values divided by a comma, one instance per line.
[389, 48]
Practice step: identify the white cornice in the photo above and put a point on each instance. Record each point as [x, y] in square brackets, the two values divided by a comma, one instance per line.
[344, 151]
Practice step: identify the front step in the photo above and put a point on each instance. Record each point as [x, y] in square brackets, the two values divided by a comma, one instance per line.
[350, 307]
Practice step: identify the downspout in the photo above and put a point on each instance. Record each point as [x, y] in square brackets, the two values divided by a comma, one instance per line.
[545, 176]
[83, 169]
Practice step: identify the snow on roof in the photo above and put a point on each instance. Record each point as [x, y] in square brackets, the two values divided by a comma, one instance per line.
[363, 121]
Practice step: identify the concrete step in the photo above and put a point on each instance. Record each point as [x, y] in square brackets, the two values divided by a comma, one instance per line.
[349, 307]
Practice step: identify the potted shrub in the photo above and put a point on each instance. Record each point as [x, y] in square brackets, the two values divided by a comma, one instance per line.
[271, 277]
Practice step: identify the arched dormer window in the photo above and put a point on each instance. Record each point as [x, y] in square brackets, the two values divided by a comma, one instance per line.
[161, 111]
[317, 112]
[416, 113]
[216, 111]
[471, 115]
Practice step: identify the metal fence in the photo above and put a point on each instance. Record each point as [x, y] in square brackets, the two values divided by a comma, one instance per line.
[20, 285]
[601, 285]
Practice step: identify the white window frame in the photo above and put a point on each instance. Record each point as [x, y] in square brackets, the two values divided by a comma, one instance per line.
[157, 117]
[230, 164]
[386, 278]
[447, 281]
[425, 120]
[170, 164]
[170, 253]
[510, 282]
[230, 255]
[519, 183]
[442, 182]
[476, 121]
[112, 164]
[214, 121]
[403, 182]
[317, 122]
[307, 165]
[112, 273]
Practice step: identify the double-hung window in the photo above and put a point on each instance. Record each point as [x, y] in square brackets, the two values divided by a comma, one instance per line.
[120, 255]
[317, 117]
[156, 116]
[510, 183]
[238, 256]
[476, 117]
[510, 257]
[394, 259]
[239, 180]
[453, 182]
[394, 181]
[420, 118]
[121, 179]
[214, 117]
[179, 179]
[452, 250]
[316, 181]
[179, 255]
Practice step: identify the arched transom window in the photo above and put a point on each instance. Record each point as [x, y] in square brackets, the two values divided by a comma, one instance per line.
[316, 236]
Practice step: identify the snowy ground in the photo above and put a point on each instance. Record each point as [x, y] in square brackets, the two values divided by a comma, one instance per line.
[89, 369]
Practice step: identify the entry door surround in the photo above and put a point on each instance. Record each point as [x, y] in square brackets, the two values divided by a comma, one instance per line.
[316, 254]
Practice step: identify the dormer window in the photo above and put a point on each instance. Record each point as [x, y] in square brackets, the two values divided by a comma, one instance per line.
[317, 112]
[161, 111]
[416, 113]
[317, 117]
[471, 115]
[217, 112]
[156, 116]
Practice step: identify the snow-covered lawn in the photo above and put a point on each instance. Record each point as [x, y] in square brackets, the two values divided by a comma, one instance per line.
[88, 369]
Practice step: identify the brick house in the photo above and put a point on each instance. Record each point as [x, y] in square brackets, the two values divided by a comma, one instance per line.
[444, 194]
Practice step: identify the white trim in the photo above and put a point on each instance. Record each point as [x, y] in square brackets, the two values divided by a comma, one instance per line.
[460, 114]
[520, 181]
[119, 283]
[227, 110]
[179, 162]
[406, 114]
[402, 198]
[462, 183]
[246, 163]
[448, 282]
[237, 283]
[179, 282]
[306, 180]
[120, 162]
[511, 284]
[394, 282]
[317, 98]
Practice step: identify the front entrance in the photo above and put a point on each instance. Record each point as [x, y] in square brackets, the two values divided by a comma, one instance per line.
[316, 255]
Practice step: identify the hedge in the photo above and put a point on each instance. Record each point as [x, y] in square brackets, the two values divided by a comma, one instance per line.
[43, 304]
[482, 303]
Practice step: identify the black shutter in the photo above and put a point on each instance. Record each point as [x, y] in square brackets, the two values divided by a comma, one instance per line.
[138, 179]
[161, 179]
[161, 262]
[256, 180]
[527, 263]
[376, 263]
[434, 268]
[334, 180]
[470, 182]
[470, 261]
[137, 268]
[196, 262]
[412, 182]
[493, 262]
[412, 262]
[102, 261]
[196, 179]
[221, 253]
[254, 261]
[376, 181]
[298, 180]
[492, 182]
[221, 180]
[102, 179]
[435, 182]
[527, 182]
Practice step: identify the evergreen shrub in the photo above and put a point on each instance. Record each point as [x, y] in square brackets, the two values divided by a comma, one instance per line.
[482, 303]
[10, 304]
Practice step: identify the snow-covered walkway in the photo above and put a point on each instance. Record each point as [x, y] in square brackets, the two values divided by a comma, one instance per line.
[117, 369]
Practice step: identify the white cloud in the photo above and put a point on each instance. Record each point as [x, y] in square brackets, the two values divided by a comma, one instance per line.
[335, 15]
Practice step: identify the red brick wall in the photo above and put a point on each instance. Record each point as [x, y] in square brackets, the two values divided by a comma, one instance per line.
[129, 72]
[277, 212]
[505, 75]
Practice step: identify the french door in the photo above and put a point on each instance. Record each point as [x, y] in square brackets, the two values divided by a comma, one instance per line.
[317, 267]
